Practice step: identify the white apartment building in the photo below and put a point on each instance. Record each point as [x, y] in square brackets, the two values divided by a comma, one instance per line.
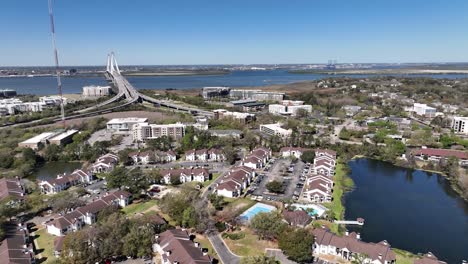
[275, 130]
[242, 117]
[460, 124]
[96, 91]
[124, 124]
[289, 107]
[424, 110]
[144, 131]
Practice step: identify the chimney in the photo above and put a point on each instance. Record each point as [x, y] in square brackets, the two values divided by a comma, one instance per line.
[347, 233]
[358, 236]
[197, 244]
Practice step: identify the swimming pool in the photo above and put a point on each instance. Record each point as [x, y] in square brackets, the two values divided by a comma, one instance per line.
[312, 209]
[255, 209]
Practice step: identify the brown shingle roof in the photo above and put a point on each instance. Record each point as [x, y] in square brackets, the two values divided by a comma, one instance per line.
[10, 187]
[441, 153]
[372, 250]
[182, 249]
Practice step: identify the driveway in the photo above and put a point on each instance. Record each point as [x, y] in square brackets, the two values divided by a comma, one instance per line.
[224, 253]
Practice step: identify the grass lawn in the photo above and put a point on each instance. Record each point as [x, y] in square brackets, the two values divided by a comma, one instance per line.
[239, 205]
[404, 257]
[205, 243]
[214, 176]
[250, 245]
[139, 207]
[45, 243]
[342, 183]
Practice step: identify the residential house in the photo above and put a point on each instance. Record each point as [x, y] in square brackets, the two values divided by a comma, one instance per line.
[350, 245]
[257, 158]
[87, 214]
[175, 246]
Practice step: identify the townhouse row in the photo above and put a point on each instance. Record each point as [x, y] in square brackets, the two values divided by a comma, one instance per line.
[105, 163]
[86, 215]
[185, 175]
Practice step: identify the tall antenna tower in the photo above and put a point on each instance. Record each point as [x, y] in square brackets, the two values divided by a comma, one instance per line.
[57, 66]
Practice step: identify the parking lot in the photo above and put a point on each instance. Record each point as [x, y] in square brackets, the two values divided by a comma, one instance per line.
[291, 174]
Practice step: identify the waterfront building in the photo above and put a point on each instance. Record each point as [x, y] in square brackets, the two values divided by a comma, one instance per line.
[65, 181]
[124, 124]
[318, 189]
[214, 92]
[256, 95]
[96, 91]
[275, 130]
[7, 93]
[86, 215]
[436, 155]
[460, 124]
[143, 131]
[350, 246]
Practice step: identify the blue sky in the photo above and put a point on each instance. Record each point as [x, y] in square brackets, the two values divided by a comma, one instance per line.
[237, 32]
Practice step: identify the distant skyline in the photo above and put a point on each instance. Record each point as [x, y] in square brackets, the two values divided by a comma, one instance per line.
[149, 32]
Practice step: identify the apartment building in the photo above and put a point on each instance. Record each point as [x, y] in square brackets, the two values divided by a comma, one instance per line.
[460, 124]
[143, 131]
[275, 130]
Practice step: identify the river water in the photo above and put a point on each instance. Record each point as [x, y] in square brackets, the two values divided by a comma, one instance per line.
[411, 209]
[48, 85]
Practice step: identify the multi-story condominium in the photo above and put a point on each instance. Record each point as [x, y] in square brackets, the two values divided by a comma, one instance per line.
[289, 107]
[124, 124]
[239, 116]
[185, 175]
[213, 92]
[96, 91]
[460, 124]
[144, 131]
[275, 130]
[424, 110]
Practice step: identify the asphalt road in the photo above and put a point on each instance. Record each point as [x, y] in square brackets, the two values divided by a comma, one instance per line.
[226, 256]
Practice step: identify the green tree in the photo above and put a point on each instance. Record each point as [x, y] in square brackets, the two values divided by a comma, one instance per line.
[308, 156]
[138, 241]
[268, 225]
[297, 245]
[275, 186]
[163, 143]
[53, 152]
